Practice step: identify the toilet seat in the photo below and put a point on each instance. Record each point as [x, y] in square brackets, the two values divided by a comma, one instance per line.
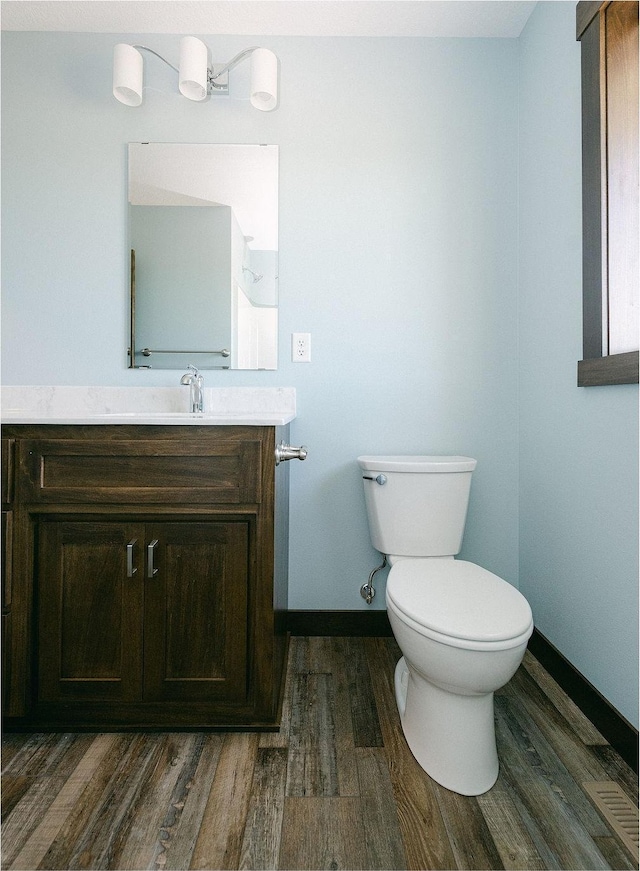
[459, 603]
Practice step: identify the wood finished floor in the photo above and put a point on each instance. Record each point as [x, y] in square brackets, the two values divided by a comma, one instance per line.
[336, 788]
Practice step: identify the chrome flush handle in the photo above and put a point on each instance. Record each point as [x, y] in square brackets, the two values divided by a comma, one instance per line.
[379, 479]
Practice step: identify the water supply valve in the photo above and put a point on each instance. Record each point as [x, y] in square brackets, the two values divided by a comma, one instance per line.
[366, 590]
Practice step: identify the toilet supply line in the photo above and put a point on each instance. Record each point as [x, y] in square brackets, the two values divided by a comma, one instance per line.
[366, 590]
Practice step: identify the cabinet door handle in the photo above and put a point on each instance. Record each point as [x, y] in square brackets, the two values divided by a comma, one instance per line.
[151, 550]
[131, 569]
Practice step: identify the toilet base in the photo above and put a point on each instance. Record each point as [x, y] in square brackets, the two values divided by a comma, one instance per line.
[451, 736]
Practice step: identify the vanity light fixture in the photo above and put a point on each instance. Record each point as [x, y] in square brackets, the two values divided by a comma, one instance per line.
[197, 78]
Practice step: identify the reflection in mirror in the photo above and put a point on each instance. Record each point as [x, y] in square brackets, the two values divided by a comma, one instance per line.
[203, 229]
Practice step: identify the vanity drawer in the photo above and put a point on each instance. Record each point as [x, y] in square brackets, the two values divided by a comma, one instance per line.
[142, 471]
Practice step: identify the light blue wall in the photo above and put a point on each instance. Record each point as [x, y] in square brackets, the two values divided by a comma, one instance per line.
[399, 254]
[578, 446]
[398, 162]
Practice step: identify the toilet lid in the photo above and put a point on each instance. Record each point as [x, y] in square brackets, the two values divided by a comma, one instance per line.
[458, 599]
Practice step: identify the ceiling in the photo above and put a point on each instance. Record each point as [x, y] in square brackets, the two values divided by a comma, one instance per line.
[423, 18]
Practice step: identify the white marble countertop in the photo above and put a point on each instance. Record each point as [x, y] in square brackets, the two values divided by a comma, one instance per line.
[224, 406]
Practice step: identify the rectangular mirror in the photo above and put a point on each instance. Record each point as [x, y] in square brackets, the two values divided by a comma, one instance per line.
[203, 230]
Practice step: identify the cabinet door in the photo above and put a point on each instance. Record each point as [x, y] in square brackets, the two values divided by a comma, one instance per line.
[90, 606]
[195, 640]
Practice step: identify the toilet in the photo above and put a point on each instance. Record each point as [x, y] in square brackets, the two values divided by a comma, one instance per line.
[462, 630]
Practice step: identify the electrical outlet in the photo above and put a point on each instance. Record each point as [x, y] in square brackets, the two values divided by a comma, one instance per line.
[301, 347]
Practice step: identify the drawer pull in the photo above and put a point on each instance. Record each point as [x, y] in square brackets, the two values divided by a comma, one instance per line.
[131, 569]
[151, 549]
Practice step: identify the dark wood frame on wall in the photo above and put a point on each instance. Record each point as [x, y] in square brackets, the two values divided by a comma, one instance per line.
[598, 366]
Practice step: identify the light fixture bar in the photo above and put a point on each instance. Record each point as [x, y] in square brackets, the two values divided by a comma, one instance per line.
[234, 62]
[146, 48]
[197, 78]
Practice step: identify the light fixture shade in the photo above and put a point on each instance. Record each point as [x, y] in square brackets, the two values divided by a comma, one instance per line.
[127, 74]
[264, 79]
[193, 80]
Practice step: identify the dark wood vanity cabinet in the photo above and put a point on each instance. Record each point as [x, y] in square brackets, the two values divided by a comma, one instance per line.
[150, 577]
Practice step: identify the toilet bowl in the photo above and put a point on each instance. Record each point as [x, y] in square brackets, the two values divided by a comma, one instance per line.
[462, 630]
[444, 683]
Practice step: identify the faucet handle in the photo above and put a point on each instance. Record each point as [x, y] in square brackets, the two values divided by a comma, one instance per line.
[192, 375]
[197, 375]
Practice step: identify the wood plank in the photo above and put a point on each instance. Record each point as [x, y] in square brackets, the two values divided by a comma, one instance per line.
[12, 744]
[339, 653]
[553, 825]
[42, 753]
[319, 647]
[324, 671]
[40, 840]
[528, 701]
[382, 834]
[59, 855]
[322, 832]
[553, 762]
[221, 833]
[55, 755]
[313, 767]
[510, 834]
[13, 789]
[615, 854]
[261, 842]
[424, 834]
[580, 724]
[300, 658]
[470, 837]
[155, 803]
[108, 824]
[364, 714]
[44, 785]
[27, 815]
[188, 804]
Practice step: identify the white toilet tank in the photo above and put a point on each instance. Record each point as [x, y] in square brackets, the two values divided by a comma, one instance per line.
[417, 506]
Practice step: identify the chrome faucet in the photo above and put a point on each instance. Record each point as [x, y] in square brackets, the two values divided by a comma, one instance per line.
[195, 381]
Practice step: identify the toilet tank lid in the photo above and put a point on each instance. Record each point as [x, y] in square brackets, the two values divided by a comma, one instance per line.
[431, 464]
